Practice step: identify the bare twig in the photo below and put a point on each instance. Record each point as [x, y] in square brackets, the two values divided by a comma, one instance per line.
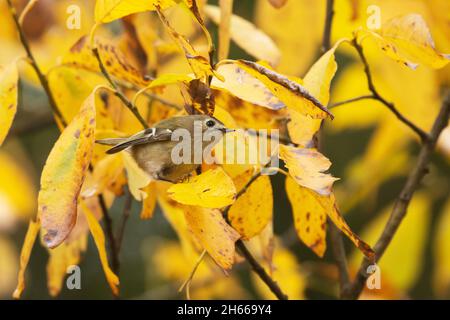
[422, 134]
[326, 39]
[340, 103]
[125, 215]
[35, 66]
[401, 205]
[256, 267]
[114, 253]
[187, 284]
[117, 90]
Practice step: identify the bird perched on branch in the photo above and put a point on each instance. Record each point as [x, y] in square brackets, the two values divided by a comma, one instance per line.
[158, 150]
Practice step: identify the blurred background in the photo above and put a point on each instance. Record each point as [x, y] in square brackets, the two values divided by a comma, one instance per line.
[371, 151]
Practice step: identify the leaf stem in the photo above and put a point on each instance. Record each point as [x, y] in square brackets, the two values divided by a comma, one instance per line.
[401, 204]
[340, 103]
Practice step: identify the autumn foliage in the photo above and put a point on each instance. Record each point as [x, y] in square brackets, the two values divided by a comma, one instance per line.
[312, 70]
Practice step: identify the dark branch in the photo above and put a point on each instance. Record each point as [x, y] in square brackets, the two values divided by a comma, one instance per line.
[125, 216]
[422, 134]
[326, 39]
[114, 253]
[401, 205]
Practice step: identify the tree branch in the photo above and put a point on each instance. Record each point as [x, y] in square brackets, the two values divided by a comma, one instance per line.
[114, 253]
[125, 215]
[35, 66]
[340, 103]
[117, 90]
[326, 39]
[401, 205]
[256, 267]
[422, 134]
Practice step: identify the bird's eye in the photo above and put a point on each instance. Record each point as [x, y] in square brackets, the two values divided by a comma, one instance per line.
[210, 123]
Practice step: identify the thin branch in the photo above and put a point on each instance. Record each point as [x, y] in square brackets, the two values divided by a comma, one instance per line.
[114, 253]
[117, 90]
[401, 204]
[340, 103]
[256, 267]
[125, 215]
[187, 283]
[35, 66]
[326, 39]
[422, 134]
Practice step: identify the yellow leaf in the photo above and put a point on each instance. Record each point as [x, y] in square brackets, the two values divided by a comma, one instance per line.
[307, 167]
[99, 239]
[226, 11]
[211, 189]
[402, 262]
[441, 249]
[317, 81]
[60, 259]
[249, 215]
[110, 10]
[9, 77]
[247, 36]
[114, 60]
[106, 175]
[63, 175]
[137, 178]
[290, 92]
[199, 64]
[149, 203]
[407, 39]
[309, 216]
[30, 238]
[246, 87]
[213, 233]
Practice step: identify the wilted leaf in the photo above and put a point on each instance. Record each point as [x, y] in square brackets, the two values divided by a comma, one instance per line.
[99, 239]
[9, 77]
[110, 10]
[213, 233]
[307, 167]
[30, 238]
[115, 62]
[247, 36]
[64, 173]
[309, 216]
[211, 189]
[249, 215]
[408, 40]
[291, 93]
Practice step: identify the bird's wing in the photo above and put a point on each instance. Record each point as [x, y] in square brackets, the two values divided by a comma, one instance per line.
[147, 136]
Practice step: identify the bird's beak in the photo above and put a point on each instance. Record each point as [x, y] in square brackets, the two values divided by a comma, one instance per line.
[226, 130]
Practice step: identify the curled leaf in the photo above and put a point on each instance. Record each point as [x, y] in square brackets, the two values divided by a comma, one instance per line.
[307, 167]
[63, 175]
[211, 189]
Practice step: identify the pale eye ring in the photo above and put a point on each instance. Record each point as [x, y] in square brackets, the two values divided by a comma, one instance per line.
[210, 123]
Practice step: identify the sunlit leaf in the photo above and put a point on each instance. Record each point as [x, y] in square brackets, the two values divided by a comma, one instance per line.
[211, 189]
[149, 203]
[110, 10]
[309, 216]
[137, 178]
[64, 173]
[247, 36]
[99, 239]
[9, 77]
[308, 167]
[249, 215]
[213, 233]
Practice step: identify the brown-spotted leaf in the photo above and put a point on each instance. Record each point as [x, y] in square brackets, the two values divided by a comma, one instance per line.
[63, 175]
[114, 60]
[309, 216]
[290, 92]
[9, 77]
[213, 233]
[252, 211]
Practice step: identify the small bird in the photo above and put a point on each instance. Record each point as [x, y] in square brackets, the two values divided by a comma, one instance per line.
[152, 147]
